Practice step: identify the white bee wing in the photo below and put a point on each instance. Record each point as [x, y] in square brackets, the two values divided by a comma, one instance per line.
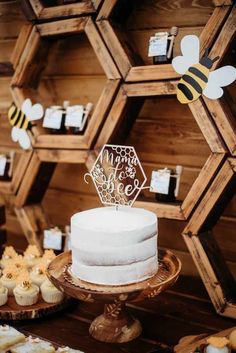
[33, 112]
[190, 48]
[221, 77]
[21, 136]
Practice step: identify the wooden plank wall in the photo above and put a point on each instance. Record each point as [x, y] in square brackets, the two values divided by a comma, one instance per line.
[164, 134]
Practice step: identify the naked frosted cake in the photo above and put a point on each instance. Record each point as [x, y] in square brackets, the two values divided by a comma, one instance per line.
[114, 247]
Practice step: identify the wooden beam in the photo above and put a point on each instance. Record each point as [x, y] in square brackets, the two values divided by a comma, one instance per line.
[206, 126]
[224, 120]
[69, 26]
[106, 9]
[101, 51]
[162, 210]
[150, 89]
[224, 39]
[151, 73]
[62, 156]
[210, 200]
[33, 221]
[116, 48]
[203, 181]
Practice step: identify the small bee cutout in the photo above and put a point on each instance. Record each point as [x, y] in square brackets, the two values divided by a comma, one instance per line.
[197, 78]
[20, 120]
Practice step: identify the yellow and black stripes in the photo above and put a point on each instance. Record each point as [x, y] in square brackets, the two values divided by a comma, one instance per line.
[192, 83]
[17, 118]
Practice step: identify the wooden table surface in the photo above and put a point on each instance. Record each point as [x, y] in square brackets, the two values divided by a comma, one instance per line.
[183, 310]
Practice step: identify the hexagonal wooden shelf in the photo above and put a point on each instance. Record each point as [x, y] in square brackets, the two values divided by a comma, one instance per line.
[202, 245]
[45, 10]
[29, 60]
[223, 110]
[126, 105]
[27, 202]
[134, 64]
[20, 164]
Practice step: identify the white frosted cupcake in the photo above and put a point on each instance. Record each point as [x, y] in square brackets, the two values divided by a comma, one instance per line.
[32, 255]
[8, 255]
[8, 279]
[48, 256]
[50, 293]
[38, 274]
[26, 293]
[3, 295]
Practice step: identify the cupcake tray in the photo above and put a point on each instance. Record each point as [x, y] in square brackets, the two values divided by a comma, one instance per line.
[12, 311]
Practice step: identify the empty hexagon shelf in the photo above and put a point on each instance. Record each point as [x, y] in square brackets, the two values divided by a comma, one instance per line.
[124, 27]
[28, 201]
[67, 42]
[48, 9]
[168, 139]
[201, 233]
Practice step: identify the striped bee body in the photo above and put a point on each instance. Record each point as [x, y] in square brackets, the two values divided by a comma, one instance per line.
[192, 83]
[17, 118]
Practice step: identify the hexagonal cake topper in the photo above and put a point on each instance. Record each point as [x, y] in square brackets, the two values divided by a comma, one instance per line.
[117, 175]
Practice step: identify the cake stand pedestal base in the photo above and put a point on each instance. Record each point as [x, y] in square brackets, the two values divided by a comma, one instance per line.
[115, 325]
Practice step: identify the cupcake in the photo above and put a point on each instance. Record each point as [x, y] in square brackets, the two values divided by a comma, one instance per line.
[50, 293]
[8, 278]
[48, 256]
[31, 255]
[19, 263]
[38, 273]
[8, 255]
[3, 295]
[26, 293]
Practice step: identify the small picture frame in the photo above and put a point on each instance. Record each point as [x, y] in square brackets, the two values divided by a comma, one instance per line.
[53, 118]
[52, 239]
[74, 116]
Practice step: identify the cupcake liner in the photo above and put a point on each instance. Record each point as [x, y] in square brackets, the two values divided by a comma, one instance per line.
[24, 300]
[3, 297]
[52, 297]
[10, 286]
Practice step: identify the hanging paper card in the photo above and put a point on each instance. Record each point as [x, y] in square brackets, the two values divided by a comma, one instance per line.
[74, 116]
[52, 239]
[117, 175]
[160, 181]
[53, 118]
[197, 78]
[158, 44]
[3, 163]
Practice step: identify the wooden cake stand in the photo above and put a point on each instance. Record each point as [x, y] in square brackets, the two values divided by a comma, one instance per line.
[115, 324]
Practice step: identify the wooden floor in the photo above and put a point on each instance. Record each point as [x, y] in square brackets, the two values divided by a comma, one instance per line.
[183, 310]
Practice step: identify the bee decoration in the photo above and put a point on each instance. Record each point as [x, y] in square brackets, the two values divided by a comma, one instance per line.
[197, 78]
[20, 120]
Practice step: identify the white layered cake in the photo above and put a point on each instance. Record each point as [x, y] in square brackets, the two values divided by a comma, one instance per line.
[114, 247]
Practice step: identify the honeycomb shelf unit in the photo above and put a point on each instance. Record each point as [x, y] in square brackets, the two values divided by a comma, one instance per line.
[20, 164]
[68, 38]
[42, 10]
[127, 106]
[127, 26]
[27, 202]
[201, 242]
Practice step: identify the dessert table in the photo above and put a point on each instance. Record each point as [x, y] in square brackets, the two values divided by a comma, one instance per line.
[183, 310]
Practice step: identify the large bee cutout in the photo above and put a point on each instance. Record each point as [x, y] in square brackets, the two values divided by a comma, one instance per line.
[20, 120]
[197, 78]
